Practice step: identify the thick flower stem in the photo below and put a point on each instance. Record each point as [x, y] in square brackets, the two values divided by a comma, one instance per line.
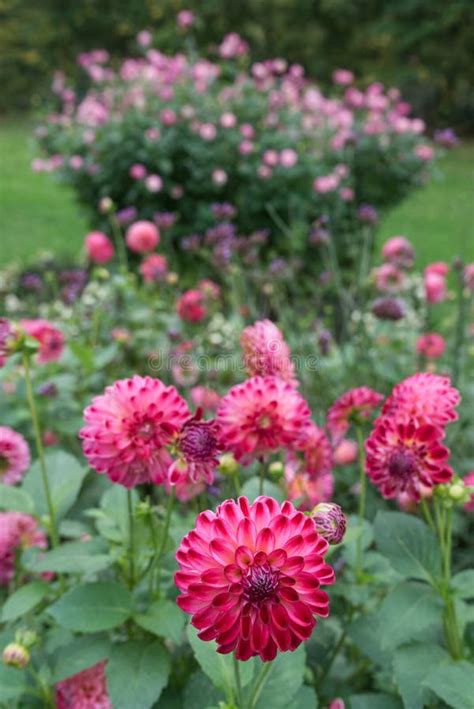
[119, 244]
[40, 451]
[362, 494]
[259, 684]
[238, 683]
[169, 509]
[451, 628]
[131, 539]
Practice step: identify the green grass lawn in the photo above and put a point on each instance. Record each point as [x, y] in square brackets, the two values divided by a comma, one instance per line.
[37, 213]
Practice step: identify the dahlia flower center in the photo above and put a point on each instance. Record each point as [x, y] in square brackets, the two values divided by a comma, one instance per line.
[199, 442]
[145, 431]
[264, 421]
[402, 464]
[260, 584]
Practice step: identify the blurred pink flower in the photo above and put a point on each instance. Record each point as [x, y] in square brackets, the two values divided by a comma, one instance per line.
[99, 247]
[431, 345]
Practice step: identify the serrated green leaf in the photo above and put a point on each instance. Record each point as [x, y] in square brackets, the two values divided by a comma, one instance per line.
[164, 619]
[284, 679]
[80, 654]
[407, 613]
[16, 499]
[200, 693]
[411, 665]
[70, 558]
[409, 545]
[12, 683]
[65, 477]
[463, 584]
[136, 674]
[93, 607]
[219, 668]
[24, 600]
[453, 682]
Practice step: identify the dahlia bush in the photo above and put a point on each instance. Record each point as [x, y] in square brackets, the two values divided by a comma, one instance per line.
[225, 155]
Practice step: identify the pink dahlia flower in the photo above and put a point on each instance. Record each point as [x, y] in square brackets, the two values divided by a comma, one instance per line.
[190, 306]
[469, 276]
[142, 236]
[389, 278]
[154, 268]
[51, 340]
[346, 452]
[266, 352]
[99, 248]
[17, 531]
[398, 251]
[306, 490]
[431, 345]
[428, 397]
[205, 398]
[435, 282]
[85, 690]
[128, 427]
[250, 576]
[406, 457]
[260, 416]
[14, 456]
[353, 406]
[197, 446]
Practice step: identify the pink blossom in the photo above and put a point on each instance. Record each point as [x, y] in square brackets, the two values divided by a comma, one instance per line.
[232, 46]
[398, 251]
[142, 236]
[144, 38]
[84, 690]
[389, 278]
[14, 456]
[154, 183]
[185, 19]
[288, 157]
[190, 306]
[346, 452]
[270, 158]
[219, 176]
[343, 77]
[137, 171]
[431, 345]
[326, 183]
[228, 120]
[424, 152]
[99, 248]
[154, 268]
[205, 398]
[50, 338]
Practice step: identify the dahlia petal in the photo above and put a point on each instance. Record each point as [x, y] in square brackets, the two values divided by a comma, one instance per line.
[265, 540]
[247, 533]
[221, 551]
[243, 557]
[293, 565]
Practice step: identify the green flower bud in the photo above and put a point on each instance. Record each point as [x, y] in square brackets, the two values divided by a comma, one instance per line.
[15, 655]
[228, 464]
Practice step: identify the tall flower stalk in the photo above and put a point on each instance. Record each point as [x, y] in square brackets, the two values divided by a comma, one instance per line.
[40, 449]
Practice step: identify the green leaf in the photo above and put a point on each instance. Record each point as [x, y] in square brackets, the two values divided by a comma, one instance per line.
[463, 584]
[305, 698]
[65, 477]
[93, 607]
[407, 613]
[453, 683]
[70, 558]
[374, 701]
[219, 668]
[12, 683]
[411, 665]
[112, 521]
[284, 679]
[409, 544]
[200, 693]
[80, 654]
[136, 673]
[354, 530]
[164, 619]
[24, 600]
[251, 489]
[16, 499]
[366, 633]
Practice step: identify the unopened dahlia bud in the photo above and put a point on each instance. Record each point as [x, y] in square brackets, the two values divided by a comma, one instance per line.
[15, 655]
[27, 638]
[389, 308]
[106, 206]
[458, 491]
[330, 521]
[276, 469]
[228, 464]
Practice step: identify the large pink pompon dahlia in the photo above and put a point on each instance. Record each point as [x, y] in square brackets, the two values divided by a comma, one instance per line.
[355, 404]
[250, 576]
[406, 457]
[260, 416]
[265, 352]
[14, 456]
[128, 427]
[428, 397]
[85, 690]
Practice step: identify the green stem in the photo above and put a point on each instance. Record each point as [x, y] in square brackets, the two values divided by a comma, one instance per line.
[40, 451]
[362, 496]
[119, 244]
[169, 509]
[238, 682]
[332, 657]
[261, 477]
[235, 478]
[131, 539]
[428, 516]
[259, 684]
